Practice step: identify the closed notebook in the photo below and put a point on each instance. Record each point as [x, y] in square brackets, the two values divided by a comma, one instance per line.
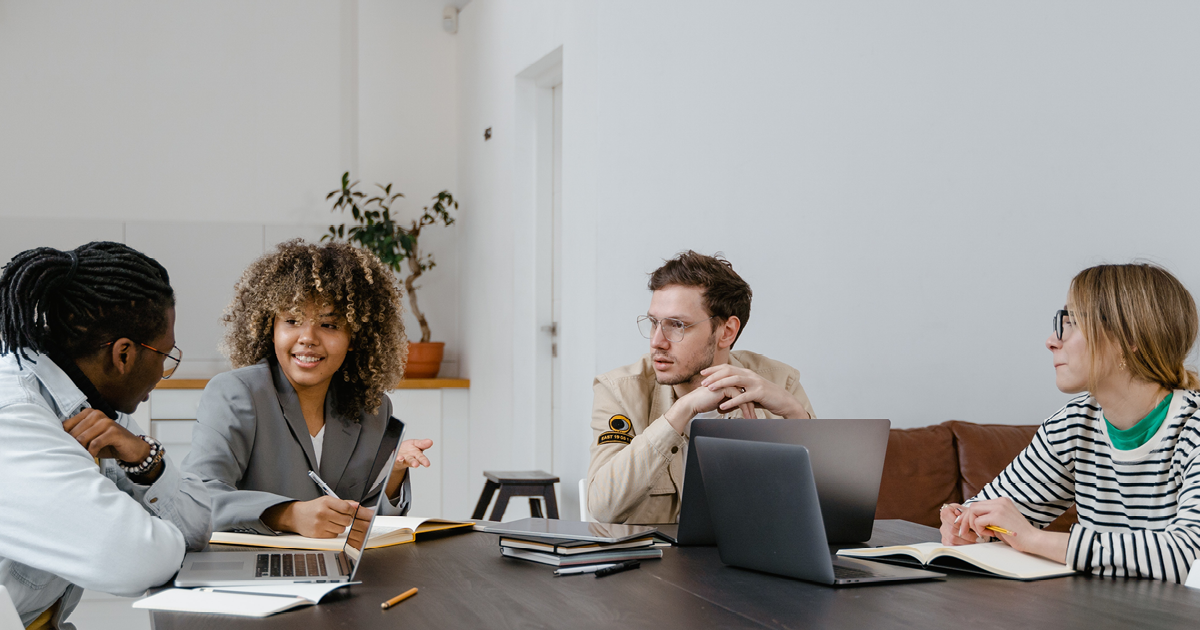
[241, 601]
[616, 555]
[995, 558]
[385, 532]
[571, 547]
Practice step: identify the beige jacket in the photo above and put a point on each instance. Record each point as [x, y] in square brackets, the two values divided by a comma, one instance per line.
[636, 472]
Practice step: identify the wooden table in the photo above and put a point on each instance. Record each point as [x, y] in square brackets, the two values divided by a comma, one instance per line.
[465, 583]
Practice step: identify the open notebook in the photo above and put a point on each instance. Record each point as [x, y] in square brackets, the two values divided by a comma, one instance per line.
[994, 558]
[241, 601]
[386, 531]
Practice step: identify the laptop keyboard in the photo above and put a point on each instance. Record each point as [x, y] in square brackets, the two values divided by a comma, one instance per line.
[289, 565]
[841, 572]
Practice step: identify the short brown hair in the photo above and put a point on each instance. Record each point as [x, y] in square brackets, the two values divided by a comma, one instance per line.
[724, 294]
[1145, 312]
[351, 280]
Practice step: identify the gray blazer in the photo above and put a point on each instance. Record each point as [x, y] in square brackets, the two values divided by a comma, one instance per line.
[252, 450]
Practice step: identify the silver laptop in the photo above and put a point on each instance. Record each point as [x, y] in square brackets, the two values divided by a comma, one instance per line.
[298, 566]
[847, 462]
[764, 507]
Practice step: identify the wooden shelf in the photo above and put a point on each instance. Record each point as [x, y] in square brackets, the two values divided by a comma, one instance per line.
[413, 383]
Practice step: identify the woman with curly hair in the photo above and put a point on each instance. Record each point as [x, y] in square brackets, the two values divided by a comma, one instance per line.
[316, 336]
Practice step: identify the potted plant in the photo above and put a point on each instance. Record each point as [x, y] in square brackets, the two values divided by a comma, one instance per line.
[395, 243]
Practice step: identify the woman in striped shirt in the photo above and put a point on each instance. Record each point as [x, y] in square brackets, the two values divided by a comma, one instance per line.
[1124, 451]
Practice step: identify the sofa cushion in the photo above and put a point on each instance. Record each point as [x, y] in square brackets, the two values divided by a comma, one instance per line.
[920, 473]
[984, 450]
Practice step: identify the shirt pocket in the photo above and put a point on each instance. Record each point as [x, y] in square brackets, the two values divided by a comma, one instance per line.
[31, 578]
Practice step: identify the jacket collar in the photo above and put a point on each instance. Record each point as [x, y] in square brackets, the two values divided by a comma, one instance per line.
[341, 434]
[67, 396]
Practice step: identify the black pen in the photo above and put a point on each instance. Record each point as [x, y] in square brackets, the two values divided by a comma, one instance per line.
[624, 566]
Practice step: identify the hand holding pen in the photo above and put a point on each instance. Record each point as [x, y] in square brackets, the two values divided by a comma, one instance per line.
[323, 517]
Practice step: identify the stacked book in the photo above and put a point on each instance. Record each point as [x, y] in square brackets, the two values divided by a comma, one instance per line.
[569, 553]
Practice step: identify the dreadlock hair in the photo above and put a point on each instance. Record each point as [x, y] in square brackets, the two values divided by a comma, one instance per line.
[71, 303]
[349, 279]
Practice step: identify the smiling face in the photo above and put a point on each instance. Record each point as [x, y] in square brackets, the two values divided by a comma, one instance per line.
[678, 362]
[311, 342]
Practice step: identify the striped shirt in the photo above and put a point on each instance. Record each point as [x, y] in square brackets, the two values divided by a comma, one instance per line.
[1139, 510]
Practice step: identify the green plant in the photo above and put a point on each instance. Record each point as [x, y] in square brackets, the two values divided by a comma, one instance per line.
[392, 241]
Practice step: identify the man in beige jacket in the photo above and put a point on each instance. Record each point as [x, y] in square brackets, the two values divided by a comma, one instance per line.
[641, 412]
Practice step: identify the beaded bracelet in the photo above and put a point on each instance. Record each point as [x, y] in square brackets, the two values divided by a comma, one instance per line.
[140, 468]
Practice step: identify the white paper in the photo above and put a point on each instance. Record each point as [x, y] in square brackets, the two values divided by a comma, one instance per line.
[197, 601]
[1193, 579]
[312, 592]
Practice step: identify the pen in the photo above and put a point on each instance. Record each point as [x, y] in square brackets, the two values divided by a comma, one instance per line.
[252, 594]
[624, 566]
[399, 598]
[592, 568]
[322, 485]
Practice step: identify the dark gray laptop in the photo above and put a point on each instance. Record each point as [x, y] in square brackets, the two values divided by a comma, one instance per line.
[298, 566]
[847, 462]
[763, 501]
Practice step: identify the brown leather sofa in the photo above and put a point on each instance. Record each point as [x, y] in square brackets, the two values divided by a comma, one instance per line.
[947, 463]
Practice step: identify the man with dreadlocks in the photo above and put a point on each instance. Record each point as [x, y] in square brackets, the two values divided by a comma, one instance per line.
[88, 502]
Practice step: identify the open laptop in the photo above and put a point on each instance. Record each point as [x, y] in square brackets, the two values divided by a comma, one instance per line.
[765, 511]
[847, 462]
[298, 566]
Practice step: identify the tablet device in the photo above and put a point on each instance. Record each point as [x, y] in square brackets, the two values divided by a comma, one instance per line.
[569, 530]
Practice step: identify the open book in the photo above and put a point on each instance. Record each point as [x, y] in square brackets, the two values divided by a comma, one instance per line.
[387, 531]
[242, 601]
[994, 558]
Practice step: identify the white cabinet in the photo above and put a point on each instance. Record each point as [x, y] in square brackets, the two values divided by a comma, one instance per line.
[439, 413]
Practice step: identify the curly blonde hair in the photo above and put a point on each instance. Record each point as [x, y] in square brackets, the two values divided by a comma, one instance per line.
[351, 280]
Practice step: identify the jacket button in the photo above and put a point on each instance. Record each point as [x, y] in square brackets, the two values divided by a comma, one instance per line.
[154, 500]
[674, 449]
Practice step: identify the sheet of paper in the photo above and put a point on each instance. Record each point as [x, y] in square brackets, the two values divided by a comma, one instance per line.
[242, 605]
[311, 592]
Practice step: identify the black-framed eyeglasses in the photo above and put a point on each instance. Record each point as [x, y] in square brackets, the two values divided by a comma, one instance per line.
[175, 356]
[1062, 318]
[673, 329]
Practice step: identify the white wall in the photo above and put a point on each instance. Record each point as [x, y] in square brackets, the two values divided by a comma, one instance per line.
[908, 187]
[205, 132]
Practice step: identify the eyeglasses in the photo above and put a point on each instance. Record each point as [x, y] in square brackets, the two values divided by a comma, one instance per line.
[175, 355]
[673, 329]
[1063, 319]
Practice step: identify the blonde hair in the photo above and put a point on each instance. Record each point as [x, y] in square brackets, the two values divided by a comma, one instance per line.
[1145, 313]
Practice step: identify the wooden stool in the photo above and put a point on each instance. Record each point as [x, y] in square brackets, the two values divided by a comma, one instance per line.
[524, 483]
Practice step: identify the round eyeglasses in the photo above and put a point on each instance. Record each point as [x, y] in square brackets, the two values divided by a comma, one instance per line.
[673, 329]
[171, 360]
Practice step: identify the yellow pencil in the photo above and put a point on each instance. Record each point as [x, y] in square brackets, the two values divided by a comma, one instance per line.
[999, 530]
[399, 598]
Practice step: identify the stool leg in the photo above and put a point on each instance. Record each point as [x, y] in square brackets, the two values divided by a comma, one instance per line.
[489, 488]
[551, 502]
[506, 493]
[535, 508]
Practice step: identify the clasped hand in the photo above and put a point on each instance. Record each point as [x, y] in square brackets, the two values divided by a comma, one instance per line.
[965, 525]
[751, 390]
[104, 438]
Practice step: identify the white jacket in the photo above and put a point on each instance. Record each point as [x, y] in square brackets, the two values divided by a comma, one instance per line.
[67, 524]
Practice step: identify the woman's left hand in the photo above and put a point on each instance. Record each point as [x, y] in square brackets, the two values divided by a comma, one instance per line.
[411, 454]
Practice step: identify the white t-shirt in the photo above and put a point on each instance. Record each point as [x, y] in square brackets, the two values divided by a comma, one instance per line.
[318, 441]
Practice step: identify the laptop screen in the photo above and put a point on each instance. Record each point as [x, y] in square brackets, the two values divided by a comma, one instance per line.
[364, 516]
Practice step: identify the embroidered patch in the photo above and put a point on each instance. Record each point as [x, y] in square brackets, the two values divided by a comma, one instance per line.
[620, 424]
[609, 437]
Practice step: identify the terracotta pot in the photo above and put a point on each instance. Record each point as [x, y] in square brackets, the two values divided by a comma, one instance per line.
[424, 359]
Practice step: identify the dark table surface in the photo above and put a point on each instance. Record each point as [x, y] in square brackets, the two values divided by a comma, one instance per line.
[465, 583]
